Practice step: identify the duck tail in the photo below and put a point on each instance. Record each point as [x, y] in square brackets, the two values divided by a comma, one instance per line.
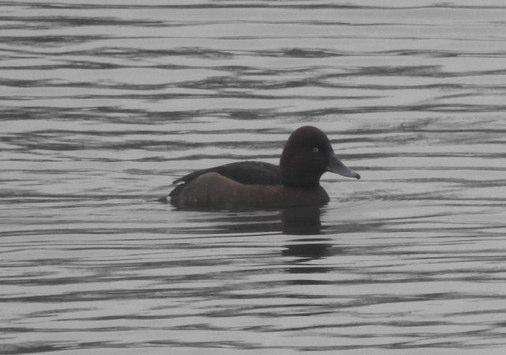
[173, 197]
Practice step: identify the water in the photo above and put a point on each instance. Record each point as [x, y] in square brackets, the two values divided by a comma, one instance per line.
[103, 104]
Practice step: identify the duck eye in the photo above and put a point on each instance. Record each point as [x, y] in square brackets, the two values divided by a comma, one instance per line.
[316, 149]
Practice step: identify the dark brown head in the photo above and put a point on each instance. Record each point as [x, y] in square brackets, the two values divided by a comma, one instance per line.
[306, 156]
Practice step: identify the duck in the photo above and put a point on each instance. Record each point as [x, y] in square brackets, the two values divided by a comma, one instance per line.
[247, 185]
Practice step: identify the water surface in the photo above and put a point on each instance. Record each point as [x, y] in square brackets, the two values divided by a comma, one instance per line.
[104, 104]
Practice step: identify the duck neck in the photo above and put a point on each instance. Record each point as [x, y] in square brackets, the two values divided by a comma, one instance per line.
[299, 178]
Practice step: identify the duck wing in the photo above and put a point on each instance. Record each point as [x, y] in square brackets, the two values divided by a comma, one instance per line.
[246, 172]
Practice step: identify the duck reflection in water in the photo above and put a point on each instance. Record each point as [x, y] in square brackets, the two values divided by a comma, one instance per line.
[304, 221]
[301, 220]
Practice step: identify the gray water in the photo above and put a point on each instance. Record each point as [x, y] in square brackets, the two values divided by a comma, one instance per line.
[105, 103]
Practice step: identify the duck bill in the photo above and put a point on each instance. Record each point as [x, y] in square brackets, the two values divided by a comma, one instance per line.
[337, 167]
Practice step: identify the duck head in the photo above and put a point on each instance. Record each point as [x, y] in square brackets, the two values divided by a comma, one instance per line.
[306, 156]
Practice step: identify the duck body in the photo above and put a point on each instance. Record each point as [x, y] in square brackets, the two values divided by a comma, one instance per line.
[242, 185]
[259, 185]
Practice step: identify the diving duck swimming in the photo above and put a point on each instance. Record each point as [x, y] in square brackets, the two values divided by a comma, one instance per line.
[258, 185]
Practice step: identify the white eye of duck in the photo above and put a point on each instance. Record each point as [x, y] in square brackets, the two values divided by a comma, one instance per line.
[316, 149]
